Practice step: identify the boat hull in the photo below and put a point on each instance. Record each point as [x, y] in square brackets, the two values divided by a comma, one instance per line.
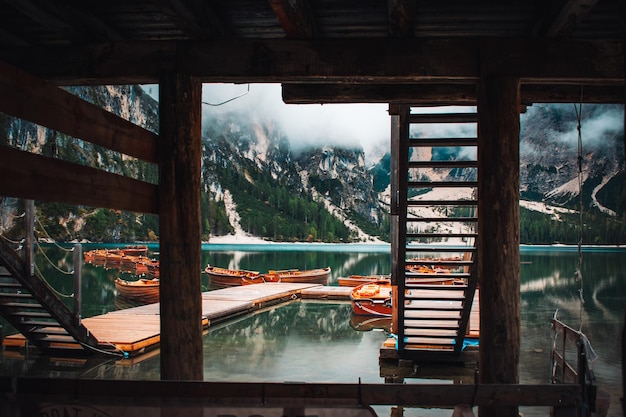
[222, 277]
[372, 299]
[311, 276]
[145, 291]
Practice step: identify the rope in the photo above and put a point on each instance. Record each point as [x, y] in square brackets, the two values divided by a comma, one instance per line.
[50, 285]
[51, 263]
[579, 273]
[15, 242]
[49, 237]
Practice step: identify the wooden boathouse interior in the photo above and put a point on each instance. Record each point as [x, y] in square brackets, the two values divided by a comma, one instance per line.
[497, 56]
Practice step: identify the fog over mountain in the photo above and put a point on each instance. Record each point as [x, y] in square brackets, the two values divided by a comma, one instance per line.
[312, 172]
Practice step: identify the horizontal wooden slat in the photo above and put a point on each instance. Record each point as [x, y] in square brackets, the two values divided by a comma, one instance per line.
[443, 164]
[436, 203]
[444, 118]
[443, 142]
[30, 176]
[35, 100]
[442, 184]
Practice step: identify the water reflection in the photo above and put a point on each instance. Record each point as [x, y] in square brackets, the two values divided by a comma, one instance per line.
[321, 341]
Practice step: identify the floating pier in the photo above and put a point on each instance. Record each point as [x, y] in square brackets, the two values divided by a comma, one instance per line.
[138, 329]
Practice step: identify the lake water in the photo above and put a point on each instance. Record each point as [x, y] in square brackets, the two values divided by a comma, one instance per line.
[312, 341]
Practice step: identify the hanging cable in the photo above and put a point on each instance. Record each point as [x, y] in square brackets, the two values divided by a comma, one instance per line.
[40, 249]
[579, 274]
[229, 100]
[50, 238]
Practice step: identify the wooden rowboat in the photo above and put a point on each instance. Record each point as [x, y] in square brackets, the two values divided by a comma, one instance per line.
[316, 276]
[356, 280]
[143, 290]
[223, 277]
[372, 299]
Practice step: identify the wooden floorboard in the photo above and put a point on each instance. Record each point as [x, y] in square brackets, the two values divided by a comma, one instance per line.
[137, 329]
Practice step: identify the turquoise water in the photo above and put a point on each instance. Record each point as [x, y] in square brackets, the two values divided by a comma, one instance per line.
[315, 341]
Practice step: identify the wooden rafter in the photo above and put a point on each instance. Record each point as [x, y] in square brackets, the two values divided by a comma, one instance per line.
[295, 17]
[68, 21]
[35, 177]
[329, 61]
[33, 99]
[562, 20]
[401, 18]
[199, 18]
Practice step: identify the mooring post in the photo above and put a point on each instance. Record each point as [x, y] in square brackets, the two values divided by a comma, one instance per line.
[78, 281]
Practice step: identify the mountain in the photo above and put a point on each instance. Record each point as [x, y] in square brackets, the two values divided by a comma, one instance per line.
[255, 183]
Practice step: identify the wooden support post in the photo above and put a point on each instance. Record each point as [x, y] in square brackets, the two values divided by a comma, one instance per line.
[498, 231]
[78, 281]
[179, 227]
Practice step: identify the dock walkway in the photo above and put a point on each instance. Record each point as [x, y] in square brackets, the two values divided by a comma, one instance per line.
[137, 329]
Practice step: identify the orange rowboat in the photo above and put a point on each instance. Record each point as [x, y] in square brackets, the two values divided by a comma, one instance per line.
[372, 299]
[145, 291]
[222, 277]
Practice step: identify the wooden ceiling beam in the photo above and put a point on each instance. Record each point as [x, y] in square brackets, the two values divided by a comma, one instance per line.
[329, 61]
[442, 94]
[35, 100]
[296, 18]
[30, 176]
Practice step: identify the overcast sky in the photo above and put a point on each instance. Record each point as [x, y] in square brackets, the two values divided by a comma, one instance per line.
[367, 125]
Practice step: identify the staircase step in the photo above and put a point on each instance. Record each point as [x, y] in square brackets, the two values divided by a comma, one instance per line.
[443, 164]
[30, 314]
[454, 306]
[14, 295]
[439, 333]
[443, 184]
[429, 275]
[440, 262]
[13, 284]
[439, 235]
[51, 330]
[435, 248]
[436, 203]
[22, 305]
[442, 219]
[431, 324]
[442, 142]
[444, 118]
[33, 322]
[432, 341]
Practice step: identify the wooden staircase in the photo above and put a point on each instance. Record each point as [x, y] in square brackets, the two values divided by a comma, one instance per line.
[35, 311]
[434, 218]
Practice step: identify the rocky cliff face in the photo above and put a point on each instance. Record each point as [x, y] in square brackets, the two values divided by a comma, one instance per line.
[339, 178]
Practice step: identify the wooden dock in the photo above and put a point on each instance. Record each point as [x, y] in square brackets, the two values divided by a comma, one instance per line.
[136, 330]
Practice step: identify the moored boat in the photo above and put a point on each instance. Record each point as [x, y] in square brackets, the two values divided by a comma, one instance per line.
[356, 280]
[143, 290]
[372, 299]
[314, 276]
[223, 277]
